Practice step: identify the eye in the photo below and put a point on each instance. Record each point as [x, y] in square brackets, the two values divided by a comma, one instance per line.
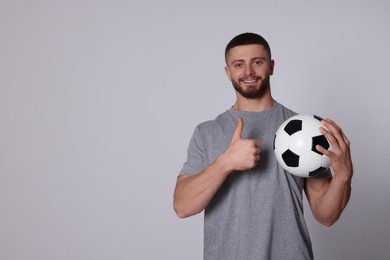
[257, 62]
[237, 65]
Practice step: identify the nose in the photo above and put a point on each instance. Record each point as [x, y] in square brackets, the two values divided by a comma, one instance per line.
[249, 70]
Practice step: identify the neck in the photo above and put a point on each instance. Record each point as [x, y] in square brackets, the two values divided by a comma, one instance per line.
[254, 105]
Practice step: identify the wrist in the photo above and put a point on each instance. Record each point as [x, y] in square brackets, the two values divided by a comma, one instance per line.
[342, 179]
[223, 163]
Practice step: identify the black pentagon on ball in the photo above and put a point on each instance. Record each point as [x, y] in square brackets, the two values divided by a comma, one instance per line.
[318, 117]
[321, 140]
[293, 126]
[290, 159]
[318, 171]
[274, 143]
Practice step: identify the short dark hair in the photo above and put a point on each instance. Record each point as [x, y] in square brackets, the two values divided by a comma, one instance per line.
[247, 39]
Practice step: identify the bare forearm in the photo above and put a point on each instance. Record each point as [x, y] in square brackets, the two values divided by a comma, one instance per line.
[331, 204]
[193, 193]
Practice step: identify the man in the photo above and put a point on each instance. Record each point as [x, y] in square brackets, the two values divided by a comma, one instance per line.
[253, 208]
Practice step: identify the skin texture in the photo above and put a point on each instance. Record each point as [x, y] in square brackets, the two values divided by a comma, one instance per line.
[249, 68]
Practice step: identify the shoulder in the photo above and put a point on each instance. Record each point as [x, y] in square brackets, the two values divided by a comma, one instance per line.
[215, 127]
[214, 124]
[286, 112]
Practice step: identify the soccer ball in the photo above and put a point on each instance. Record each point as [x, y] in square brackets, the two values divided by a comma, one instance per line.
[294, 146]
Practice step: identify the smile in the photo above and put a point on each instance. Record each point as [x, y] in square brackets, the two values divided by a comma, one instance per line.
[250, 80]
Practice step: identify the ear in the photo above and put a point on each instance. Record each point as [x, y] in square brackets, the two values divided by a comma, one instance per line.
[272, 66]
[228, 73]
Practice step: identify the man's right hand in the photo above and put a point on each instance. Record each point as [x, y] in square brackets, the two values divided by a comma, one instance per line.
[193, 193]
[242, 154]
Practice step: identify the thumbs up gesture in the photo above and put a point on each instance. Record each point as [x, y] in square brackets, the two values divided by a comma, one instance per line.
[242, 154]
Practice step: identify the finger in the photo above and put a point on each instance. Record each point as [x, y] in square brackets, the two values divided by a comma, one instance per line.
[328, 121]
[342, 135]
[327, 131]
[257, 150]
[330, 137]
[237, 135]
[323, 150]
[336, 132]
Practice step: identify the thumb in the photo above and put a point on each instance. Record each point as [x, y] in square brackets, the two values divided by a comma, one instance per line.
[237, 135]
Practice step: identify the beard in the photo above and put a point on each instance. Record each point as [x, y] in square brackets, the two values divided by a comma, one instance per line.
[253, 91]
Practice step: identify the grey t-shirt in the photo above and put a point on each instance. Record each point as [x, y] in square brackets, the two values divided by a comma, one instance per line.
[256, 214]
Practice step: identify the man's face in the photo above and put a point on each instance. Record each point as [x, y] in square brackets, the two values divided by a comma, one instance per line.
[249, 69]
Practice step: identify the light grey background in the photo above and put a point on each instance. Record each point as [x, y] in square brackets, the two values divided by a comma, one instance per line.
[98, 100]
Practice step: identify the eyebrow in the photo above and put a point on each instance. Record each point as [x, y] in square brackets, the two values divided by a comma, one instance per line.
[252, 59]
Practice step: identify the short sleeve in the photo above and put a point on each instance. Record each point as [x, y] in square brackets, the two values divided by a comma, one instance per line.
[195, 155]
